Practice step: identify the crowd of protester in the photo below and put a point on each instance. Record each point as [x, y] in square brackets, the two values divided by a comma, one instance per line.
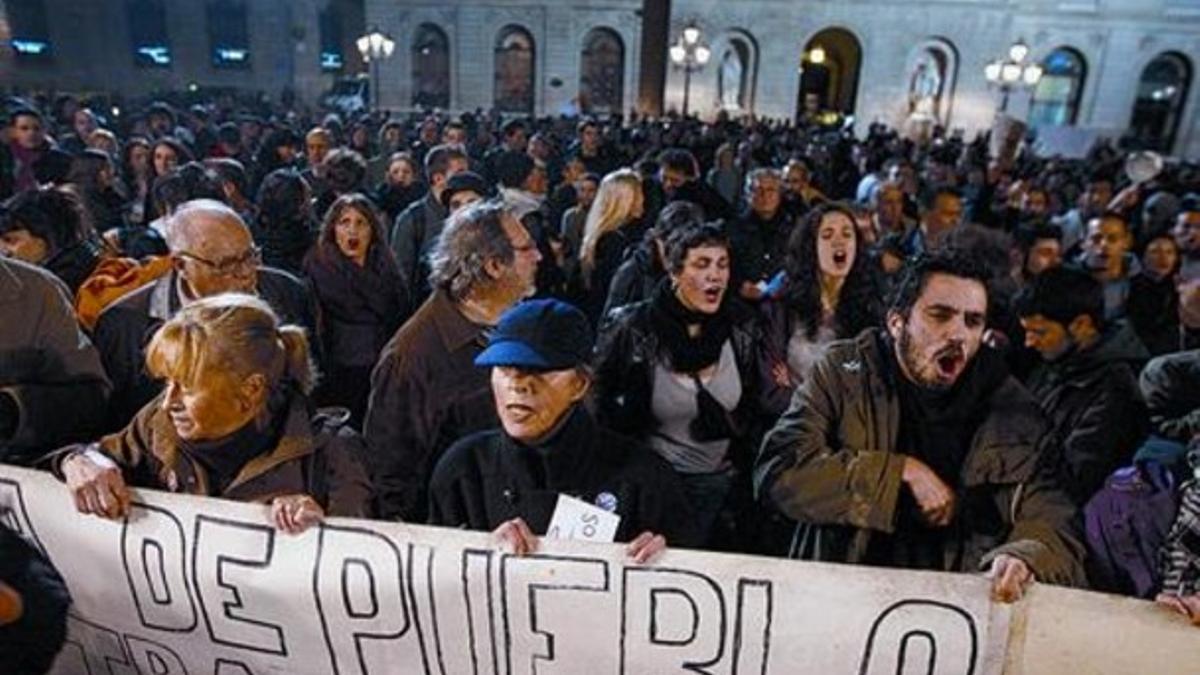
[740, 335]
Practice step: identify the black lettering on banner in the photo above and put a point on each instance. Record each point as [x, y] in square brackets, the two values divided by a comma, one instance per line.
[151, 658]
[358, 582]
[525, 577]
[421, 557]
[154, 557]
[947, 632]
[659, 607]
[481, 631]
[15, 516]
[99, 650]
[230, 560]
[752, 630]
[227, 667]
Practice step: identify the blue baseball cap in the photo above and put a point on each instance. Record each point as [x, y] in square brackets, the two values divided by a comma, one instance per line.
[539, 335]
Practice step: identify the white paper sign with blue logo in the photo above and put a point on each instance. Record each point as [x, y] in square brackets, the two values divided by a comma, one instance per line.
[577, 520]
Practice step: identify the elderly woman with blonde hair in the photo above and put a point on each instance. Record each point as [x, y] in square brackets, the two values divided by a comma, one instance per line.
[233, 421]
[619, 203]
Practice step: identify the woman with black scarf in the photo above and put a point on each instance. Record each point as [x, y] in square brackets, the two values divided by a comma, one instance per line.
[679, 372]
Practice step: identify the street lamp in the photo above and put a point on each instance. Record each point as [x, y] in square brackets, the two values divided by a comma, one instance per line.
[1012, 72]
[691, 54]
[375, 47]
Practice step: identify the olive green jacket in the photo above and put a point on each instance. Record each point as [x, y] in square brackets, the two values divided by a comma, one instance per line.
[831, 460]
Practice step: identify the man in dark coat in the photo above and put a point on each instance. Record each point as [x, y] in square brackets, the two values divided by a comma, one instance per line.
[418, 227]
[425, 390]
[761, 235]
[914, 448]
[212, 252]
[509, 479]
[1087, 383]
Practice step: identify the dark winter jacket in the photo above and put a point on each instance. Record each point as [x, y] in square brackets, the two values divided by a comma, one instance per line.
[413, 236]
[488, 478]
[1096, 413]
[1171, 387]
[426, 393]
[48, 366]
[30, 644]
[1153, 311]
[832, 460]
[627, 352]
[75, 263]
[635, 279]
[361, 307]
[759, 246]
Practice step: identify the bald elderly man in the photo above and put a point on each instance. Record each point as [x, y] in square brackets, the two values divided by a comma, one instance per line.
[212, 252]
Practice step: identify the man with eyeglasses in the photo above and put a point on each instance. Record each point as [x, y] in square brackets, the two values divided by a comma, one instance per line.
[212, 252]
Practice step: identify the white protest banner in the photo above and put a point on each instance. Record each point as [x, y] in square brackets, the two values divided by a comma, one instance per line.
[200, 586]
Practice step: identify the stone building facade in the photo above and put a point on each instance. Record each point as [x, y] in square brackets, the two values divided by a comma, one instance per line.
[554, 53]
[1113, 67]
[933, 54]
[93, 46]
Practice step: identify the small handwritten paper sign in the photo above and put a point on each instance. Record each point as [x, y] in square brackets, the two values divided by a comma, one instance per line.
[576, 519]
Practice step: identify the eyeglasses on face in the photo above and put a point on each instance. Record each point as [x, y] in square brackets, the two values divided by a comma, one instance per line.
[250, 259]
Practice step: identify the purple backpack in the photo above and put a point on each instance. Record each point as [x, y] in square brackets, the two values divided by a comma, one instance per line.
[1127, 522]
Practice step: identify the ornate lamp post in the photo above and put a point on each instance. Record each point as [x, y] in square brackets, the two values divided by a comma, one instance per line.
[374, 47]
[1012, 72]
[690, 54]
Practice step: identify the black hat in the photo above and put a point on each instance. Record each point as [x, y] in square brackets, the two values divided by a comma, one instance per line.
[466, 181]
[539, 335]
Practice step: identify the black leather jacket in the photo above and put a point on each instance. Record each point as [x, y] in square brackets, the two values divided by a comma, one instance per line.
[627, 352]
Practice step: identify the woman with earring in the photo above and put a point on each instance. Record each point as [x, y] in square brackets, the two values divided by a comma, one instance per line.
[679, 372]
[234, 421]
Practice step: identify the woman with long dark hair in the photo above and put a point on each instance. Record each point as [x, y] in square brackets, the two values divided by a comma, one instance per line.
[362, 296]
[828, 294]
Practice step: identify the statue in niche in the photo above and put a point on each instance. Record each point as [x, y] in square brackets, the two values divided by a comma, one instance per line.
[729, 80]
[925, 86]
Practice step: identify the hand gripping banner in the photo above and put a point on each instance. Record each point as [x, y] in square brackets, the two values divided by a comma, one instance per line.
[197, 586]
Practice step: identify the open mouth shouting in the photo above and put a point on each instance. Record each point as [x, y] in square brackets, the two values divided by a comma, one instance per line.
[950, 363]
[712, 294]
[841, 259]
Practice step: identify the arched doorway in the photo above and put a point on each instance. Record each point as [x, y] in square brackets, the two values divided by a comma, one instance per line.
[602, 72]
[1161, 94]
[430, 67]
[514, 65]
[829, 69]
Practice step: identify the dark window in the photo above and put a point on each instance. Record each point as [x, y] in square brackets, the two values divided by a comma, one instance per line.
[148, 33]
[228, 34]
[431, 67]
[1161, 94]
[29, 29]
[602, 72]
[332, 57]
[514, 88]
[1055, 101]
